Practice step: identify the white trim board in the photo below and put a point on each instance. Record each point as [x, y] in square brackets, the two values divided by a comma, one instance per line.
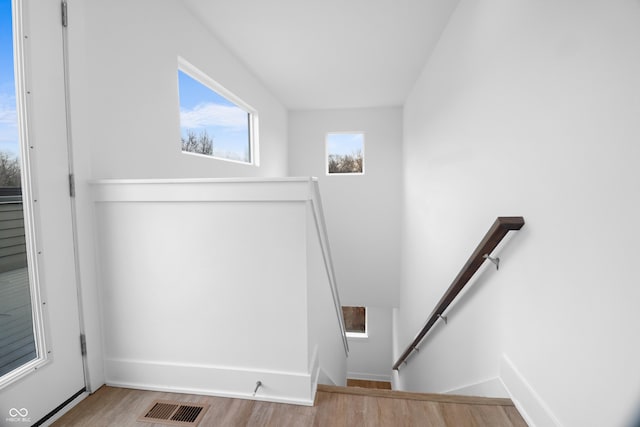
[492, 387]
[204, 190]
[531, 406]
[279, 387]
[368, 377]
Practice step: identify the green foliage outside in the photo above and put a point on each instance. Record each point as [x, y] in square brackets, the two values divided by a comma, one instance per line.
[346, 163]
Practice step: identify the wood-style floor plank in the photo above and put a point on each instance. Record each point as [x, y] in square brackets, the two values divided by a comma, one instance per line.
[395, 394]
[489, 415]
[515, 417]
[228, 412]
[429, 413]
[381, 385]
[121, 407]
[458, 415]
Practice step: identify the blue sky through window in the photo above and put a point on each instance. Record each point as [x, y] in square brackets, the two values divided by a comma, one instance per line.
[202, 109]
[345, 143]
[8, 116]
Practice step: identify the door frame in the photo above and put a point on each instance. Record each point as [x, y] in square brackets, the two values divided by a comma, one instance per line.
[59, 363]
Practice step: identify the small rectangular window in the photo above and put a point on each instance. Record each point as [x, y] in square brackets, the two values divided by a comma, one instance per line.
[355, 321]
[345, 153]
[213, 122]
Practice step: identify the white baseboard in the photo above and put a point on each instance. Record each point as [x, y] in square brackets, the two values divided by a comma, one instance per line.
[491, 387]
[368, 377]
[531, 406]
[281, 387]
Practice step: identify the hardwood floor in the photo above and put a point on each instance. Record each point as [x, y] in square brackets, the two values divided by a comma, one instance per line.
[381, 385]
[335, 406]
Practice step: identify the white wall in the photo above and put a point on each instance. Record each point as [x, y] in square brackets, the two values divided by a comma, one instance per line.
[132, 51]
[362, 211]
[370, 358]
[197, 298]
[530, 108]
[363, 218]
[124, 113]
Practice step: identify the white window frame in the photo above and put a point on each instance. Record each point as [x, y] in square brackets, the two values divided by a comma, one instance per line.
[326, 152]
[196, 74]
[41, 333]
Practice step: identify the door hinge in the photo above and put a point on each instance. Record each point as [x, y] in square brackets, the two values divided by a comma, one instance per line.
[72, 185]
[83, 344]
[65, 17]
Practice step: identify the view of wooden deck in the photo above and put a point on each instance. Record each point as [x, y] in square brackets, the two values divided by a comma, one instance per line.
[17, 345]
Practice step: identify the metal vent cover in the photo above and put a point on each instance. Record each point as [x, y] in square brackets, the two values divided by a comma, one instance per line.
[174, 413]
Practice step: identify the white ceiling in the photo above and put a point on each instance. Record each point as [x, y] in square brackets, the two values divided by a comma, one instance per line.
[315, 54]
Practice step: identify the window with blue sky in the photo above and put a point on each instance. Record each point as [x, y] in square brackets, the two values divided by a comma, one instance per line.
[211, 124]
[8, 117]
[345, 153]
[17, 332]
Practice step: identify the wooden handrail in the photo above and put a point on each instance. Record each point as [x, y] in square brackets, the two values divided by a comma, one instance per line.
[496, 233]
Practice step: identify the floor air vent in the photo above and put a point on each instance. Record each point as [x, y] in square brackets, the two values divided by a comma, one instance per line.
[174, 413]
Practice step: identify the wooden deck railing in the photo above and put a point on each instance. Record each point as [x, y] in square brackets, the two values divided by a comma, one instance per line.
[496, 233]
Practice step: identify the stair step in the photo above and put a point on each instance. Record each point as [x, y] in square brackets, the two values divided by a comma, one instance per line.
[380, 385]
[431, 397]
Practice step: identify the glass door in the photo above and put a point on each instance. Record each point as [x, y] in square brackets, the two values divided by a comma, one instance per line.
[17, 333]
[41, 364]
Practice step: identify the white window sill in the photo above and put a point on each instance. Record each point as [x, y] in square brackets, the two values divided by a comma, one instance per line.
[353, 336]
